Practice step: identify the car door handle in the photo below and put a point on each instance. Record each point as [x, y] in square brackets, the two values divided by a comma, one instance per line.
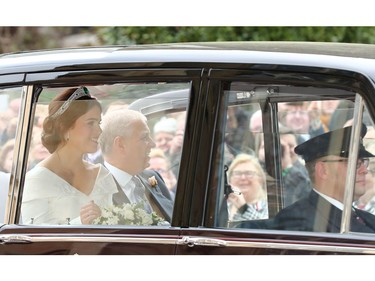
[18, 239]
[191, 242]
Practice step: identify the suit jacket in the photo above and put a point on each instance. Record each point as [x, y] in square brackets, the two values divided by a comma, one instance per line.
[158, 195]
[297, 184]
[314, 213]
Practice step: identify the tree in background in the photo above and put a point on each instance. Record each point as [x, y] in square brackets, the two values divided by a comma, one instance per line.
[32, 38]
[150, 35]
[25, 38]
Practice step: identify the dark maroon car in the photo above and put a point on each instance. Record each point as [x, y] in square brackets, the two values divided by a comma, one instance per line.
[211, 92]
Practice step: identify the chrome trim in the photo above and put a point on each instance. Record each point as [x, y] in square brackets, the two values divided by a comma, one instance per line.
[283, 246]
[203, 241]
[305, 247]
[15, 239]
[11, 238]
[352, 162]
[19, 154]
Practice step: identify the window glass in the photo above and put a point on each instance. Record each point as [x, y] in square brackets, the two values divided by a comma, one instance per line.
[10, 102]
[290, 172]
[246, 174]
[105, 154]
[168, 133]
[366, 200]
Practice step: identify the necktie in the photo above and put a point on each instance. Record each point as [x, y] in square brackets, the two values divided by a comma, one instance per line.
[139, 194]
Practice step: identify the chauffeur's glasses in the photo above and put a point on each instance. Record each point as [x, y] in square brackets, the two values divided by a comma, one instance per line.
[362, 161]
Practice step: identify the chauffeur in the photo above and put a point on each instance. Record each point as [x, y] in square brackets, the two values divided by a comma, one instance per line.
[326, 158]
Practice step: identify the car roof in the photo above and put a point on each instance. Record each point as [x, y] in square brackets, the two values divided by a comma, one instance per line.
[320, 54]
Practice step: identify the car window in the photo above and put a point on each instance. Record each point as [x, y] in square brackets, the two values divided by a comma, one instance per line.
[129, 137]
[10, 104]
[366, 201]
[264, 182]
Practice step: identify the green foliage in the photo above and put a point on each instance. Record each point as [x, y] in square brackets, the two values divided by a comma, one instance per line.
[150, 35]
[25, 38]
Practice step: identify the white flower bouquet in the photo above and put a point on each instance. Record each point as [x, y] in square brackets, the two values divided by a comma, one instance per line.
[128, 214]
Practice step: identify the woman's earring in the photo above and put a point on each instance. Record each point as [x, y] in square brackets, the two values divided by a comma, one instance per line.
[67, 137]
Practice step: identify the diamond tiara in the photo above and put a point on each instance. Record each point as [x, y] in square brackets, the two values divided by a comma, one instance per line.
[80, 92]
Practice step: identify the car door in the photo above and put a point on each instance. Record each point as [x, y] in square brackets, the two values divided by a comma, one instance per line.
[233, 98]
[115, 90]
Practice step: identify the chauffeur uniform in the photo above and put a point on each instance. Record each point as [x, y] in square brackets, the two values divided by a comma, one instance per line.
[316, 213]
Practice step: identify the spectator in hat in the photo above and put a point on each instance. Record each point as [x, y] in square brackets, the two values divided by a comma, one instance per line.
[326, 158]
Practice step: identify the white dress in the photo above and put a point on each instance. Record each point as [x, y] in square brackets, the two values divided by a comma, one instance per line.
[49, 199]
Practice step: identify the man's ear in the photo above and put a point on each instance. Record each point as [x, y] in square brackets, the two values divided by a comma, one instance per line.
[119, 143]
[321, 169]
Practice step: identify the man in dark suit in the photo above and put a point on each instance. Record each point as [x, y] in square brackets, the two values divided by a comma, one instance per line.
[125, 144]
[326, 158]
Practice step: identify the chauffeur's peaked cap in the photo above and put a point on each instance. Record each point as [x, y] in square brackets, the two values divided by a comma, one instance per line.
[331, 143]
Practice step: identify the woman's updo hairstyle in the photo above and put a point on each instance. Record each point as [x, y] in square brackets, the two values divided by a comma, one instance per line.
[63, 111]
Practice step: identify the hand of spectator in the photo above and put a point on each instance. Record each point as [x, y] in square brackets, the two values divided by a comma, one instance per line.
[238, 200]
[286, 159]
[176, 143]
[89, 212]
[365, 198]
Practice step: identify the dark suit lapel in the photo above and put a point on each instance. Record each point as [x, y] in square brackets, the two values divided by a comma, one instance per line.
[327, 217]
[160, 203]
[161, 188]
[119, 197]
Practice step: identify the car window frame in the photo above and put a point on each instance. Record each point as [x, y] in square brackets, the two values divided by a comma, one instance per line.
[69, 79]
[223, 77]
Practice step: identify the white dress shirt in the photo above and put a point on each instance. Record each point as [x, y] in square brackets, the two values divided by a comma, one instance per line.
[123, 179]
[334, 202]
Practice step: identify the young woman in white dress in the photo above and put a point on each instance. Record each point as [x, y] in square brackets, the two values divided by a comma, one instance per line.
[64, 188]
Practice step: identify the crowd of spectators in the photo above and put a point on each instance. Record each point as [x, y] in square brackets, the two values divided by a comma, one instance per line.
[298, 122]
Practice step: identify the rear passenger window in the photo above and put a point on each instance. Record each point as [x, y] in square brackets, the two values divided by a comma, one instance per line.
[265, 180]
[98, 151]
